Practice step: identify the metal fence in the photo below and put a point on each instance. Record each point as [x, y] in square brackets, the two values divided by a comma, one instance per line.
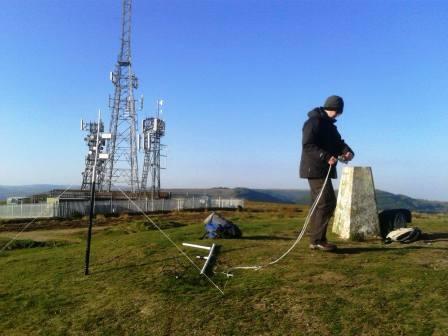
[81, 208]
[28, 210]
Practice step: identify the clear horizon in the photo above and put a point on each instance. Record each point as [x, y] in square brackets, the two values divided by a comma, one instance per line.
[238, 78]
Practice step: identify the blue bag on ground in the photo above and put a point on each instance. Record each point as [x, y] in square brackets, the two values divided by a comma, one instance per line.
[219, 227]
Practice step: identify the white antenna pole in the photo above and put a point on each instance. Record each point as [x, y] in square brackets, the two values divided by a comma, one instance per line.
[159, 107]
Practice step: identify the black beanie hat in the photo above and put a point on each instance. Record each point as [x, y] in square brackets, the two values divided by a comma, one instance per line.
[334, 103]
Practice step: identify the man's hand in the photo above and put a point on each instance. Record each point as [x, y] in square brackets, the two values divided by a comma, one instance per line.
[332, 161]
[348, 156]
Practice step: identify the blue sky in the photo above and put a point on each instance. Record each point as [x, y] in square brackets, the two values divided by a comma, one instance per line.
[238, 78]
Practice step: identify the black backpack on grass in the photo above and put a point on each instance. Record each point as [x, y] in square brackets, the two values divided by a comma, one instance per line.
[393, 219]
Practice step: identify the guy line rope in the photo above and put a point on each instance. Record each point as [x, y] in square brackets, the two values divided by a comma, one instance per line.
[255, 267]
[28, 224]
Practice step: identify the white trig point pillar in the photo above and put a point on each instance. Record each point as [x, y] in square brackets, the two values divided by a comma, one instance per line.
[356, 215]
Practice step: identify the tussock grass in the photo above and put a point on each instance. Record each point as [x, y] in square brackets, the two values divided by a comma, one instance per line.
[140, 285]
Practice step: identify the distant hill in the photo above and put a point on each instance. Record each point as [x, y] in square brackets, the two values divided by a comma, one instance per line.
[274, 195]
[385, 200]
[27, 190]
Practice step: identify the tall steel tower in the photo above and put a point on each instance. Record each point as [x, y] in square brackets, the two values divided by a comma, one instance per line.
[153, 131]
[122, 167]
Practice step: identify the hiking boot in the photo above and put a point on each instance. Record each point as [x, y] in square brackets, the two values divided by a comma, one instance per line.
[323, 246]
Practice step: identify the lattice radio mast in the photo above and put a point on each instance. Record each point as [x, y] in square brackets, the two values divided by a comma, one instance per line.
[95, 159]
[122, 167]
[92, 129]
[153, 131]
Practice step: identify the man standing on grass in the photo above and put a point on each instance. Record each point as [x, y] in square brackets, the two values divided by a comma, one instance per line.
[321, 146]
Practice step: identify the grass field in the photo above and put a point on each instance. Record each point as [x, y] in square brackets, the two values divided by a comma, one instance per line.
[141, 285]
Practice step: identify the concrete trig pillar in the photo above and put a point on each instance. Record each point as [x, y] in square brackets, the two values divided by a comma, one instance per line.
[356, 215]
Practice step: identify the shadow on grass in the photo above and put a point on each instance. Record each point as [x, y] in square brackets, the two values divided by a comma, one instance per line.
[435, 237]
[357, 250]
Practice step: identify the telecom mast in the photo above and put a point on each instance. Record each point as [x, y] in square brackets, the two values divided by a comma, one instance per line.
[92, 130]
[153, 131]
[122, 167]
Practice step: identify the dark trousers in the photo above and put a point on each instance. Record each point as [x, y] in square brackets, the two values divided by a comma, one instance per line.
[323, 210]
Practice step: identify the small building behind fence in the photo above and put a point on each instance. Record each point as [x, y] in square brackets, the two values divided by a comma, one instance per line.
[18, 200]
